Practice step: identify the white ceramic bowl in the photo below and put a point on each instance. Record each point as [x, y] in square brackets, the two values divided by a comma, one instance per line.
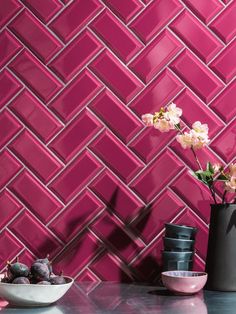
[184, 282]
[32, 294]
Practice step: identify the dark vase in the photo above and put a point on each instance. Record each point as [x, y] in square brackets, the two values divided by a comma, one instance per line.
[221, 253]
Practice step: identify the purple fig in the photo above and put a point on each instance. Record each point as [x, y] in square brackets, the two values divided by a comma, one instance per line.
[17, 270]
[21, 280]
[40, 272]
[46, 262]
[57, 280]
[44, 282]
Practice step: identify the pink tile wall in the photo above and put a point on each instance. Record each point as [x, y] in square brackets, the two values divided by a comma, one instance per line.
[81, 178]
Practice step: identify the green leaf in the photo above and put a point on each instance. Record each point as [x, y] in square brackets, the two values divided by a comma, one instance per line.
[210, 168]
[203, 176]
[222, 177]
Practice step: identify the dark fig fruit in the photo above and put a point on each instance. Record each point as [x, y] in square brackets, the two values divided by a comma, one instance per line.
[40, 272]
[21, 280]
[46, 262]
[17, 270]
[44, 282]
[57, 280]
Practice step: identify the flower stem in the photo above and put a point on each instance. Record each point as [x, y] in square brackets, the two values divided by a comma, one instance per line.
[196, 158]
[223, 197]
[213, 194]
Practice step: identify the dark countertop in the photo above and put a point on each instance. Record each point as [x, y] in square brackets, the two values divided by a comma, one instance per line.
[105, 298]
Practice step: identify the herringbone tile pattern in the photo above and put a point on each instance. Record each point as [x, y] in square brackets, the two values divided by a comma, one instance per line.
[81, 177]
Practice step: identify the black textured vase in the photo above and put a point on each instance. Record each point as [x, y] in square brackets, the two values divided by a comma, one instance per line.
[221, 253]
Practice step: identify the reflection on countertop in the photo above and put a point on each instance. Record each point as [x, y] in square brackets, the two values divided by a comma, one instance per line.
[107, 297]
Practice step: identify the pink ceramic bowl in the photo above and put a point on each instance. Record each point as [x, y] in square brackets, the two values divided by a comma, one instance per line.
[184, 282]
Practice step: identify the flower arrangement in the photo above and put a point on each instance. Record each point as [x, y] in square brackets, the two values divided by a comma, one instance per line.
[169, 119]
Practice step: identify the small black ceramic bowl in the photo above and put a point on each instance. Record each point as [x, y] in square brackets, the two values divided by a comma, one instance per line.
[177, 256]
[172, 244]
[180, 232]
[177, 265]
[177, 260]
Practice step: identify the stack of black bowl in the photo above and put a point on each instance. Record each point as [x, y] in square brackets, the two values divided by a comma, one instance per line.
[178, 251]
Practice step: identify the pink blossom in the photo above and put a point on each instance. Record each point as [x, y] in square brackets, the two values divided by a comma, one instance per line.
[148, 119]
[186, 140]
[232, 170]
[163, 125]
[230, 185]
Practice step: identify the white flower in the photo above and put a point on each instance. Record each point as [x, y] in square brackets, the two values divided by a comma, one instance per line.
[163, 125]
[200, 134]
[232, 170]
[147, 119]
[173, 114]
[174, 110]
[230, 185]
[186, 140]
[200, 128]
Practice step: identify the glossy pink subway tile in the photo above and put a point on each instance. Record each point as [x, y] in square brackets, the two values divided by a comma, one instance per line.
[154, 18]
[74, 17]
[11, 247]
[157, 94]
[9, 126]
[111, 71]
[27, 28]
[224, 25]
[155, 56]
[35, 116]
[43, 10]
[225, 64]
[112, 232]
[8, 9]
[75, 96]
[205, 10]
[9, 167]
[82, 249]
[76, 216]
[116, 269]
[226, 100]
[9, 47]
[37, 77]
[119, 119]
[35, 156]
[75, 136]
[224, 144]
[196, 76]
[149, 143]
[116, 156]
[164, 209]
[193, 108]
[156, 176]
[189, 29]
[199, 198]
[115, 195]
[116, 36]
[75, 176]
[11, 207]
[36, 236]
[35, 196]
[9, 87]
[125, 10]
[74, 57]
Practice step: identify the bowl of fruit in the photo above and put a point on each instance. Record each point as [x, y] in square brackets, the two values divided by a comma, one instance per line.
[36, 285]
